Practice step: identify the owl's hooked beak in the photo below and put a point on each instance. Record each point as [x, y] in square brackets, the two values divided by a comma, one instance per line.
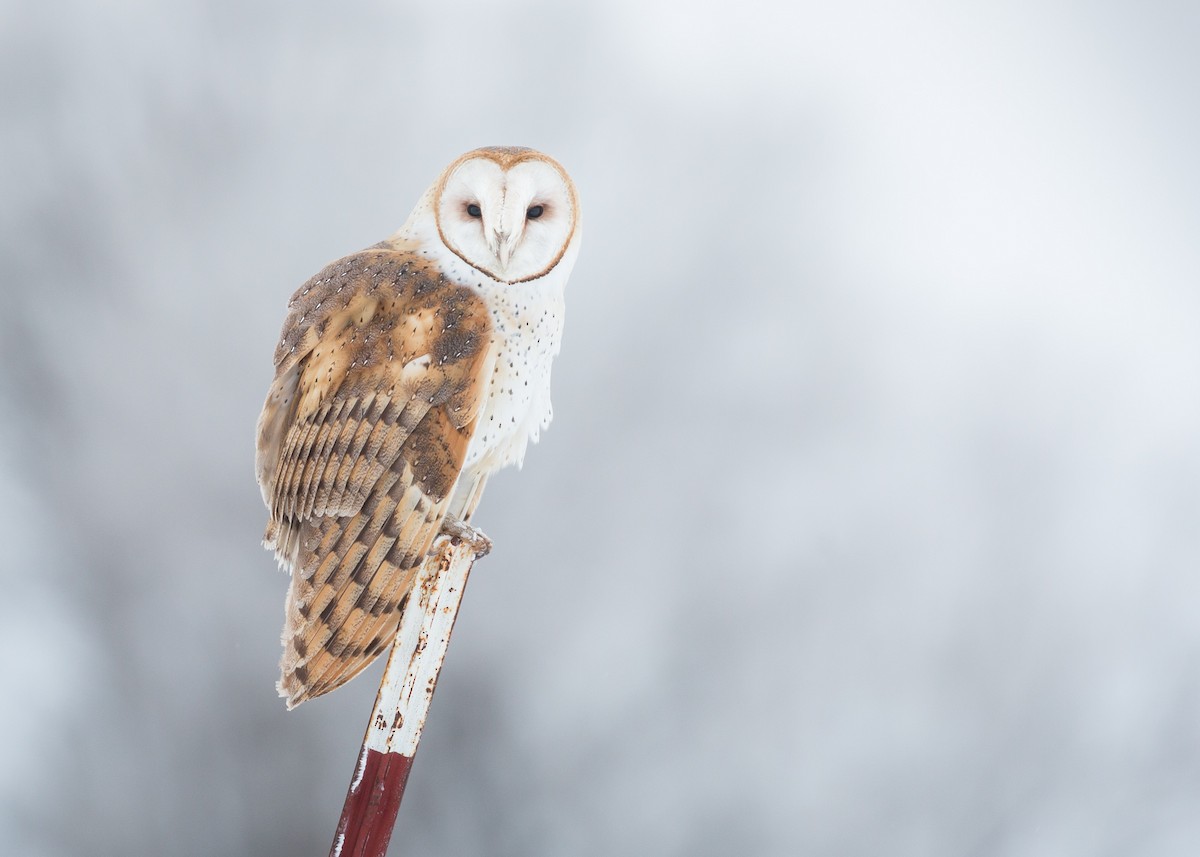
[501, 243]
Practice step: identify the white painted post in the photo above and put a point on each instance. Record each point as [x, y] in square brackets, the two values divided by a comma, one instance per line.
[403, 701]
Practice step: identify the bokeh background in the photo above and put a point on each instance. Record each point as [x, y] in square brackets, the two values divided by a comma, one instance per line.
[870, 519]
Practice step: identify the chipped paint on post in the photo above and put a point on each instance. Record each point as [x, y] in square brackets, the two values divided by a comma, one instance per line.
[416, 660]
[403, 703]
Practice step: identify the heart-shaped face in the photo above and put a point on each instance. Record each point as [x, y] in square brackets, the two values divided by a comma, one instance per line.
[509, 213]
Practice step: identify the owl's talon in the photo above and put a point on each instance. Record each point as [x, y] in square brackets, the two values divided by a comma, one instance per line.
[464, 532]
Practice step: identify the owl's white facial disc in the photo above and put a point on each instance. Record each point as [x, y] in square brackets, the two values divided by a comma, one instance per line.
[513, 224]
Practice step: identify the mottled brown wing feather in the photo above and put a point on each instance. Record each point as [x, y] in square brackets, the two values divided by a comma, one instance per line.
[380, 374]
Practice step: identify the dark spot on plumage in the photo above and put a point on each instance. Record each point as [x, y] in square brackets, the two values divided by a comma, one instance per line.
[456, 343]
[341, 646]
[301, 674]
[398, 555]
[364, 573]
[327, 611]
[376, 646]
[432, 470]
[381, 606]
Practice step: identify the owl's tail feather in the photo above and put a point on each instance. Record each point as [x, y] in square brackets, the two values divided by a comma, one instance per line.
[350, 578]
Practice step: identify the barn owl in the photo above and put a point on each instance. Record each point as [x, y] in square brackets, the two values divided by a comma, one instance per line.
[406, 375]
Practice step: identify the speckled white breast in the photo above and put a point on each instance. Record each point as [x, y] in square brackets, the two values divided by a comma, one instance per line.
[527, 325]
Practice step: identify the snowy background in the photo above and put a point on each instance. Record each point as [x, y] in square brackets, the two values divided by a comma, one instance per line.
[869, 523]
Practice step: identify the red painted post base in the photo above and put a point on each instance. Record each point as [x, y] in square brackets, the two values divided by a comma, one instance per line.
[372, 802]
[402, 703]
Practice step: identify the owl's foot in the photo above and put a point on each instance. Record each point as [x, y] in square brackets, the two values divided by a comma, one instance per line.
[464, 532]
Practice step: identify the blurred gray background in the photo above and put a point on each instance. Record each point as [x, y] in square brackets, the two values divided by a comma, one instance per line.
[869, 523]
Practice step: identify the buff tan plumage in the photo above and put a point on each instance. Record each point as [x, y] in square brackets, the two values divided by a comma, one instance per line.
[389, 361]
[378, 385]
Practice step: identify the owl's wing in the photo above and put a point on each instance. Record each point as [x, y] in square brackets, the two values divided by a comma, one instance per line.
[379, 379]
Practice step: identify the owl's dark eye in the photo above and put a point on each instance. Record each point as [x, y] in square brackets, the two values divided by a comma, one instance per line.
[473, 210]
[534, 213]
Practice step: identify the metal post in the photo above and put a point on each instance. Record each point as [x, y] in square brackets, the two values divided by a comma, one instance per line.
[403, 701]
